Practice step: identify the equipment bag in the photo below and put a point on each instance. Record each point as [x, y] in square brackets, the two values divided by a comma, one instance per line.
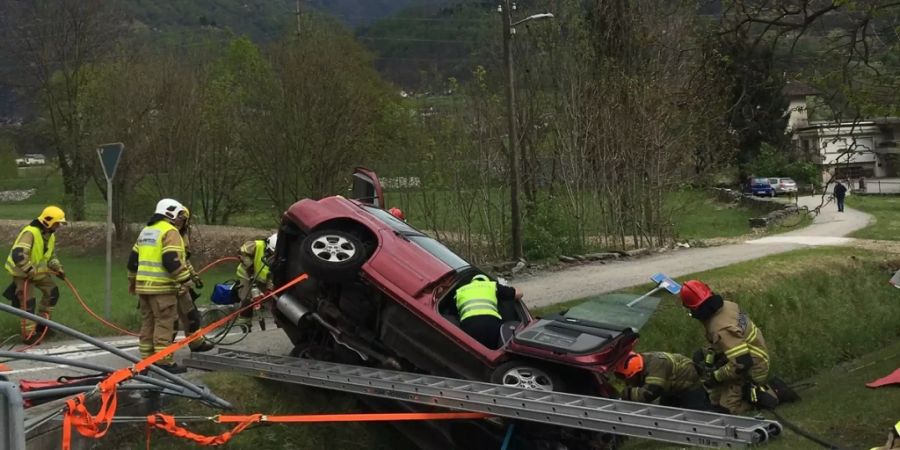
[224, 293]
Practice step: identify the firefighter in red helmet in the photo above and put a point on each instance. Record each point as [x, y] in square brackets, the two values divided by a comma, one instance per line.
[735, 366]
[398, 213]
[669, 377]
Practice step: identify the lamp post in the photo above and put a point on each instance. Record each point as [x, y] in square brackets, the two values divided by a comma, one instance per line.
[515, 180]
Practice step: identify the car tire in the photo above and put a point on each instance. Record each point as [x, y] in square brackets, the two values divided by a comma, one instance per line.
[332, 255]
[528, 375]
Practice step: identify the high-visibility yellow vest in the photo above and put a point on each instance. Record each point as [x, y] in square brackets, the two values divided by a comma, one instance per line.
[260, 268]
[152, 276]
[40, 256]
[478, 298]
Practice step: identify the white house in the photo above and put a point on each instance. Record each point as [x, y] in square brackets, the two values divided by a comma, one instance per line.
[865, 148]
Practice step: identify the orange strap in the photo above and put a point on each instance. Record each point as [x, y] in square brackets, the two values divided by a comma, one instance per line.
[95, 426]
[167, 423]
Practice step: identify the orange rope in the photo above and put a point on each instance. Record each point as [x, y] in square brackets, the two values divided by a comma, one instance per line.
[95, 426]
[167, 423]
[93, 314]
[23, 305]
[217, 262]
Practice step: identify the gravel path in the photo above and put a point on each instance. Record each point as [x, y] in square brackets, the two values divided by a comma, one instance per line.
[829, 228]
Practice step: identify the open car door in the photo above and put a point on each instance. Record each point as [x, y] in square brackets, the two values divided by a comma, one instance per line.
[367, 188]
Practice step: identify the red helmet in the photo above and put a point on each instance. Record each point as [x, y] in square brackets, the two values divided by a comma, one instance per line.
[630, 365]
[398, 213]
[694, 293]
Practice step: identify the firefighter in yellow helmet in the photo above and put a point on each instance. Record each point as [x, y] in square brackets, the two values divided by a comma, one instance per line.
[158, 273]
[669, 377]
[32, 261]
[188, 314]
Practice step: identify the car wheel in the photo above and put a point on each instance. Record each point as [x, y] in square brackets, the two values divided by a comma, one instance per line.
[527, 375]
[332, 255]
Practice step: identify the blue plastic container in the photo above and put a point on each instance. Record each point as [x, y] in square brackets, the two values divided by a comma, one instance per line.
[223, 294]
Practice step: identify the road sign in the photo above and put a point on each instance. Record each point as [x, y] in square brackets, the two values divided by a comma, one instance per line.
[109, 158]
[109, 154]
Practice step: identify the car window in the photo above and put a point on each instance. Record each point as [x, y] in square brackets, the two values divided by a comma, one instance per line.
[390, 220]
[761, 181]
[439, 251]
[773, 180]
[613, 309]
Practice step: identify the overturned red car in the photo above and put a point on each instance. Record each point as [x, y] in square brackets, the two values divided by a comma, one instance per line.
[381, 293]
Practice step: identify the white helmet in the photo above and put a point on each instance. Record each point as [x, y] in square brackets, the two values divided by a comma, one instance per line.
[271, 241]
[170, 208]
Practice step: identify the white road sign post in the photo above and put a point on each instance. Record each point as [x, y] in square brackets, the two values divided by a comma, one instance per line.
[109, 155]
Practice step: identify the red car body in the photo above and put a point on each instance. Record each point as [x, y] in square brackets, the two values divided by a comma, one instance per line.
[419, 275]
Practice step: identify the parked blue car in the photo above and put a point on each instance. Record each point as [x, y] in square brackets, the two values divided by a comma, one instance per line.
[762, 187]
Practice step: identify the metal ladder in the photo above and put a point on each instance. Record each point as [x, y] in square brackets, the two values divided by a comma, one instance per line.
[660, 423]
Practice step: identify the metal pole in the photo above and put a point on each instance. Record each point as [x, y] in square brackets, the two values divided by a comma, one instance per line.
[12, 424]
[514, 178]
[209, 396]
[655, 290]
[109, 236]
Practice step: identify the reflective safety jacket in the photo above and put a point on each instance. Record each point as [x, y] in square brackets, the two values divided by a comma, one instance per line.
[663, 374]
[161, 267]
[31, 255]
[733, 335]
[253, 264]
[478, 298]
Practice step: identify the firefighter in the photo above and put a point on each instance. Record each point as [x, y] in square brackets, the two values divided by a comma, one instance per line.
[31, 261]
[188, 315]
[893, 440]
[735, 366]
[477, 306]
[398, 213]
[669, 377]
[253, 274]
[158, 273]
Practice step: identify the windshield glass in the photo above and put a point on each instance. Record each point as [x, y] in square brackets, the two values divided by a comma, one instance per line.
[392, 221]
[613, 309]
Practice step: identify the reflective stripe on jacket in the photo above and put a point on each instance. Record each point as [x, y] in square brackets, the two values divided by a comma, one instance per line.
[734, 335]
[39, 255]
[152, 276]
[478, 298]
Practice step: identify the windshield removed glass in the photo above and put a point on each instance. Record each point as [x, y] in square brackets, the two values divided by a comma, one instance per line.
[613, 309]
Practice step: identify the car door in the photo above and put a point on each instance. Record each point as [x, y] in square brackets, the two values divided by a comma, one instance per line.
[367, 188]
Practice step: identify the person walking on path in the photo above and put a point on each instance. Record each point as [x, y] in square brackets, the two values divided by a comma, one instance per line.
[840, 191]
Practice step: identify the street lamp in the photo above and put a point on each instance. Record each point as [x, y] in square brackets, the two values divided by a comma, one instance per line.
[506, 8]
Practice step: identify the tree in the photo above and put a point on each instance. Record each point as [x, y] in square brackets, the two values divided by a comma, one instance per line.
[54, 43]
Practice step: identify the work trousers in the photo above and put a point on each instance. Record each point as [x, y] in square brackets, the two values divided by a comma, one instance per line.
[49, 297]
[158, 312]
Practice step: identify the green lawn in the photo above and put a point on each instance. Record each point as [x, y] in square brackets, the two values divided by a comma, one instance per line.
[886, 210]
[87, 274]
[698, 215]
[818, 309]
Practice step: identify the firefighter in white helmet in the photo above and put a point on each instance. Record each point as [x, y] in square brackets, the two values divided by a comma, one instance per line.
[158, 273]
[253, 273]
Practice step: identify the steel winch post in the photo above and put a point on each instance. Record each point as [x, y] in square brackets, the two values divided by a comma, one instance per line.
[12, 417]
[85, 365]
[209, 396]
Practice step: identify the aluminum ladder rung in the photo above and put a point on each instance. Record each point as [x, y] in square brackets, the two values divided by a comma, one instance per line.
[686, 427]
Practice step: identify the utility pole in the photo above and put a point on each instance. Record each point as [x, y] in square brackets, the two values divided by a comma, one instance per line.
[515, 181]
[299, 12]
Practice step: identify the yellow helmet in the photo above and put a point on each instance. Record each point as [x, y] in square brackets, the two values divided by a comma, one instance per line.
[52, 215]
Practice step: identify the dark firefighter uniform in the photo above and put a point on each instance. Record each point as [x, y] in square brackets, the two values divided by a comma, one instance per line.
[669, 377]
[31, 262]
[738, 367]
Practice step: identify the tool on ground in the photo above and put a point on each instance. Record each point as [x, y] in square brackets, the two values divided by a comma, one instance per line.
[688, 427]
[662, 283]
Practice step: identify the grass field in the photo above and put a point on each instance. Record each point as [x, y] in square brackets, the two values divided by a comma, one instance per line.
[886, 210]
[695, 214]
[87, 274]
